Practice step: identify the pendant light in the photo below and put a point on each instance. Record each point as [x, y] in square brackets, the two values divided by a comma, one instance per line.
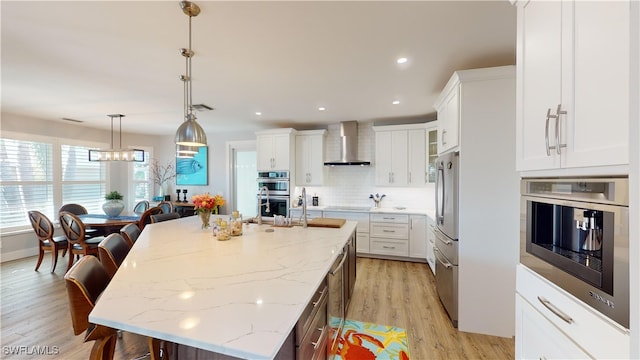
[187, 152]
[113, 154]
[190, 133]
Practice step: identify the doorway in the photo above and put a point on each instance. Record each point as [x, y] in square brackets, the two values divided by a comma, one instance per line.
[242, 179]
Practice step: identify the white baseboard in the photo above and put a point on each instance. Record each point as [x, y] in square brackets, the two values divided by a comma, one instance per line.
[19, 254]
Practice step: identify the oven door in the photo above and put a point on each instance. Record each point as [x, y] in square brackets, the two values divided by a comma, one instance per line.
[278, 205]
[275, 186]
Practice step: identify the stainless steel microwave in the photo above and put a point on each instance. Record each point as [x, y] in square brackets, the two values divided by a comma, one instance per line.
[575, 233]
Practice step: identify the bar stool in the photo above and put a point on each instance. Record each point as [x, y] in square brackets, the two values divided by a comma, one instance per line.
[85, 281]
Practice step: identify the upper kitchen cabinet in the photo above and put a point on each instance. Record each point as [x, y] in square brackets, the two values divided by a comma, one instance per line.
[274, 149]
[310, 157]
[573, 84]
[448, 107]
[432, 150]
[401, 157]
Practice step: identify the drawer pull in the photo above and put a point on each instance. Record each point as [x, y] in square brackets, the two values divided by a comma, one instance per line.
[317, 342]
[388, 247]
[555, 310]
[389, 218]
[388, 231]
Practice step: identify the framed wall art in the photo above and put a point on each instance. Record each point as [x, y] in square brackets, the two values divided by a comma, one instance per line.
[193, 171]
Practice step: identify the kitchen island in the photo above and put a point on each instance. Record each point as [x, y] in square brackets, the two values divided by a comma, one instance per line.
[240, 297]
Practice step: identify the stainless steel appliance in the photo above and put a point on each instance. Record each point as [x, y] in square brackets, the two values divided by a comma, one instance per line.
[277, 182]
[576, 235]
[446, 231]
[278, 186]
[336, 301]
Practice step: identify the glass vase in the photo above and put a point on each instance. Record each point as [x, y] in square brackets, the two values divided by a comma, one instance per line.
[205, 217]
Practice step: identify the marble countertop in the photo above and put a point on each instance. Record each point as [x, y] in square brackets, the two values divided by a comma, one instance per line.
[240, 297]
[371, 210]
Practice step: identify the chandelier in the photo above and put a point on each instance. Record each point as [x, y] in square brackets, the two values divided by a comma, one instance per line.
[119, 154]
[190, 133]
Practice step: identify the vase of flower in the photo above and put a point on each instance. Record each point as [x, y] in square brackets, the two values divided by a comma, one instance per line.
[205, 217]
[205, 204]
[113, 205]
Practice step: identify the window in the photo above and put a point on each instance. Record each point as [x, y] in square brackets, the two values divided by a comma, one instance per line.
[142, 183]
[43, 174]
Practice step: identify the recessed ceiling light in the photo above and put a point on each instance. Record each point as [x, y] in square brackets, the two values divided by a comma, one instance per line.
[402, 60]
[322, 108]
[258, 113]
[396, 102]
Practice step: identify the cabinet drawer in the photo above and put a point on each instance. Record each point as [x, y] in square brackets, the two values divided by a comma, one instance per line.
[389, 218]
[389, 247]
[609, 341]
[314, 343]
[304, 323]
[390, 231]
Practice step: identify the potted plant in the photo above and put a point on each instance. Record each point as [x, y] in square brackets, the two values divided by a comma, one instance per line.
[114, 205]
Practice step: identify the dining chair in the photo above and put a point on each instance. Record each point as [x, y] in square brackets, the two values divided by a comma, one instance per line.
[85, 281]
[166, 206]
[112, 251]
[141, 207]
[78, 209]
[78, 243]
[145, 218]
[44, 229]
[130, 233]
[164, 217]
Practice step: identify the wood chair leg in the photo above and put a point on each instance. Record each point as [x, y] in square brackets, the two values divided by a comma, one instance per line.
[104, 348]
[70, 262]
[54, 258]
[40, 256]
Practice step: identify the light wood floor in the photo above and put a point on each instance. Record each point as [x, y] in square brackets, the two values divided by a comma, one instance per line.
[35, 314]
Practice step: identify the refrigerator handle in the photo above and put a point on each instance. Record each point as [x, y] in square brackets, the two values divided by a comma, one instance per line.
[440, 192]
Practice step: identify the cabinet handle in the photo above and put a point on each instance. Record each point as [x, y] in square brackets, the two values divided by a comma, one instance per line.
[555, 310]
[443, 141]
[388, 231]
[409, 177]
[388, 247]
[317, 342]
[558, 113]
[546, 132]
[389, 178]
[389, 218]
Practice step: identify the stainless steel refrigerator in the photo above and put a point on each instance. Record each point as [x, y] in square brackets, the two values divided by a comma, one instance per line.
[446, 231]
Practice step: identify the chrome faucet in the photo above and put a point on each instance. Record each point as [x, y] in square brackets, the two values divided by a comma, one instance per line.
[304, 207]
[261, 204]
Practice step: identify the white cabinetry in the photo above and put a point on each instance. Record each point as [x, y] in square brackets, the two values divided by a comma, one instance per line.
[401, 155]
[431, 238]
[389, 234]
[418, 237]
[296, 213]
[432, 150]
[488, 188]
[274, 150]
[448, 107]
[362, 230]
[550, 310]
[573, 84]
[537, 338]
[310, 157]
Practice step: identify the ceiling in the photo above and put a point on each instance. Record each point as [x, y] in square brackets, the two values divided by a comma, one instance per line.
[83, 60]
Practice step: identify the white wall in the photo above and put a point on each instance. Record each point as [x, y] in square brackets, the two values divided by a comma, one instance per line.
[345, 185]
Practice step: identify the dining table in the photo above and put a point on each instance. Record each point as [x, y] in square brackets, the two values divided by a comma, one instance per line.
[109, 225]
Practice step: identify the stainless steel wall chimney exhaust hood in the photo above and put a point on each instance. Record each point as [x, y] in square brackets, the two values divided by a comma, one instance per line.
[348, 146]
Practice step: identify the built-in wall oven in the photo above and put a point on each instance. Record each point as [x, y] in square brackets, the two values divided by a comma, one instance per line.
[576, 234]
[277, 184]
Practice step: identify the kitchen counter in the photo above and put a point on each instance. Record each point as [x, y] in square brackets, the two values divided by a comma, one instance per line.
[390, 210]
[240, 297]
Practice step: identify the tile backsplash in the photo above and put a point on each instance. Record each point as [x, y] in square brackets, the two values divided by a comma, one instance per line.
[351, 185]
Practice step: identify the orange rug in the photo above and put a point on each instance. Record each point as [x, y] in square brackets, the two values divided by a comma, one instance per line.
[367, 341]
